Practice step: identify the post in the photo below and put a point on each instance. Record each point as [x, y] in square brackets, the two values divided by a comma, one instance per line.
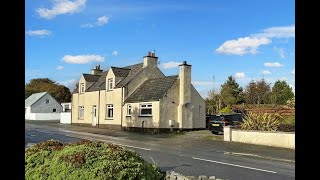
[227, 133]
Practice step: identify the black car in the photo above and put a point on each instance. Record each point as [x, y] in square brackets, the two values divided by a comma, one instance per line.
[218, 121]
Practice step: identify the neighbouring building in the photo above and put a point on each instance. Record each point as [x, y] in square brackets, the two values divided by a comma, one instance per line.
[65, 115]
[138, 96]
[66, 107]
[42, 106]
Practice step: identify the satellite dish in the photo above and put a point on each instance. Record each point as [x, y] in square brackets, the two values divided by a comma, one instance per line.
[189, 106]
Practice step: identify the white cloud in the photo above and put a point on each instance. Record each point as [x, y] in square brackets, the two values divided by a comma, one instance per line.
[62, 7]
[280, 51]
[242, 46]
[100, 22]
[293, 71]
[240, 75]
[202, 83]
[42, 32]
[59, 67]
[170, 65]
[274, 64]
[82, 59]
[277, 32]
[265, 72]
[114, 53]
[71, 84]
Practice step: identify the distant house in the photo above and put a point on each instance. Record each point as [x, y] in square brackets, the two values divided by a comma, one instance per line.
[66, 107]
[137, 97]
[65, 115]
[42, 106]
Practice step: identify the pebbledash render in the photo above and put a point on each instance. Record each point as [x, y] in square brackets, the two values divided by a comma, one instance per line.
[138, 97]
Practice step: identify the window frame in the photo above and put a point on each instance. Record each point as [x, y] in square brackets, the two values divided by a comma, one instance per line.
[109, 106]
[110, 81]
[79, 113]
[47, 101]
[82, 88]
[129, 107]
[147, 106]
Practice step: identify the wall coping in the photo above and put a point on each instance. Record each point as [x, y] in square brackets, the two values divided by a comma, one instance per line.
[278, 132]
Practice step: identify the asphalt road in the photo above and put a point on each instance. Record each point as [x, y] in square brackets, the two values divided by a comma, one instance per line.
[188, 154]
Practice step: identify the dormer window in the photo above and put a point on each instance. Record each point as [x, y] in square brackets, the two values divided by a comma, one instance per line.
[82, 88]
[110, 84]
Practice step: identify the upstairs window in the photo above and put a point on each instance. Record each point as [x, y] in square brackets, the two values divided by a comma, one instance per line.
[82, 88]
[145, 109]
[110, 84]
[47, 101]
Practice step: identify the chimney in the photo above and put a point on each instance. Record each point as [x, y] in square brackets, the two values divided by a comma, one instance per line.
[184, 112]
[96, 70]
[150, 60]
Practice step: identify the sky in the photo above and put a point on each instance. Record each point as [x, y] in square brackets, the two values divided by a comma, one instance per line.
[248, 39]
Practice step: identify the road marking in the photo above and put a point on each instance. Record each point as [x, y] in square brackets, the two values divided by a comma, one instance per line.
[133, 147]
[257, 156]
[235, 165]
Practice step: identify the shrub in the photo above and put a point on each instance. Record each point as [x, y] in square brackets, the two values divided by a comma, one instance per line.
[226, 110]
[286, 127]
[289, 120]
[86, 160]
[262, 122]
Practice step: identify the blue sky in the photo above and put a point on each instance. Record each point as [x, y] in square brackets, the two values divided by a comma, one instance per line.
[247, 39]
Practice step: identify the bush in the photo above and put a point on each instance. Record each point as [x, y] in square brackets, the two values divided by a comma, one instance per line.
[226, 110]
[86, 160]
[261, 122]
[286, 127]
[289, 120]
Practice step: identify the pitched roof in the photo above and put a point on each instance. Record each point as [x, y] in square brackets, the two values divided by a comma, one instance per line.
[135, 69]
[91, 77]
[120, 72]
[100, 84]
[33, 98]
[152, 89]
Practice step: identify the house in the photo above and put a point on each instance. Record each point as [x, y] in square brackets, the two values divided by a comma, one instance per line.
[65, 115]
[138, 96]
[42, 106]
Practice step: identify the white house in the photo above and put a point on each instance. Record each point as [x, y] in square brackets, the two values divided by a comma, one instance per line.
[42, 106]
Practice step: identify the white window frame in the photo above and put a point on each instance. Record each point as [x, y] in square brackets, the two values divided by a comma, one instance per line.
[110, 84]
[109, 106]
[129, 110]
[81, 108]
[145, 106]
[82, 88]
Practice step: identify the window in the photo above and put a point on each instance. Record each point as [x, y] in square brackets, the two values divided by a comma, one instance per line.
[82, 88]
[54, 110]
[67, 108]
[145, 109]
[129, 110]
[47, 101]
[110, 84]
[109, 114]
[81, 112]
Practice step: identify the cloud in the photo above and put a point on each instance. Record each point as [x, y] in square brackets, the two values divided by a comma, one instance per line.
[293, 71]
[280, 51]
[274, 64]
[277, 32]
[82, 59]
[242, 46]
[61, 7]
[240, 75]
[71, 84]
[265, 72]
[59, 67]
[114, 53]
[202, 83]
[42, 32]
[100, 22]
[170, 65]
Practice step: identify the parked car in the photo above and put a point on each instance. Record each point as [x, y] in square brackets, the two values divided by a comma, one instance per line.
[218, 121]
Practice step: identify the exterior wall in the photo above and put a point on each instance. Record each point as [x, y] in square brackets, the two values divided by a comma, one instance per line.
[169, 108]
[44, 116]
[42, 107]
[199, 110]
[74, 108]
[276, 139]
[113, 97]
[27, 113]
[135, 120]
[65, 118]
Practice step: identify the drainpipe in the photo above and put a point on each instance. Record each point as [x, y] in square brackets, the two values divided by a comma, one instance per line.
[142, 124]
[98, 109]
[122, 106]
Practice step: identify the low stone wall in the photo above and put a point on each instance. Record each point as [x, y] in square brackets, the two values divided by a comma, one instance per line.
[177, 176]
[267, 138]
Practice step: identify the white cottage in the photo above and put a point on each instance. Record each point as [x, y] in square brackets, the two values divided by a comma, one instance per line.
[42, 106]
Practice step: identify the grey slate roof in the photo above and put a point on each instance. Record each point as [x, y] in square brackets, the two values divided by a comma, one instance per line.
[152, 89]
[100, 84]
[135, 69]
[33, 98]
[120, 72]
[91, 77]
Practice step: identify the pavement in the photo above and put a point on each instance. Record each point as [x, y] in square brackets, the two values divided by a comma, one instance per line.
[192, 153]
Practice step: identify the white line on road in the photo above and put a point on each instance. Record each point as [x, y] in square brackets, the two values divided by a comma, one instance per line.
[234, 165]
[133, 147]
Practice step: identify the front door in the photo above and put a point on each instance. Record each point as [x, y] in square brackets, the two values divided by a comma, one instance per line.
[94, 115]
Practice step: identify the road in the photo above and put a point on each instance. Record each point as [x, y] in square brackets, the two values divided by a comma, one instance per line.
[191, 154]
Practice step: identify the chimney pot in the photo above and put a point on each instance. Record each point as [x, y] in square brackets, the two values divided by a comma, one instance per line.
[153, 55]
[184, 62]
[149, 53]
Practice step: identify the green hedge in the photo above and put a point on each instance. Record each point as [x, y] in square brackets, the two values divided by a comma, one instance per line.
[86, 160]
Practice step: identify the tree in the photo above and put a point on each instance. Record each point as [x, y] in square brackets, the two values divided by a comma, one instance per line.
[281, 92]
[59, 92]
[213, 102]
[231, 93]
[258, 92]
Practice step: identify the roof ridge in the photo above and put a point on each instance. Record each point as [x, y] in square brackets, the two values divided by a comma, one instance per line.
[120, 68]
